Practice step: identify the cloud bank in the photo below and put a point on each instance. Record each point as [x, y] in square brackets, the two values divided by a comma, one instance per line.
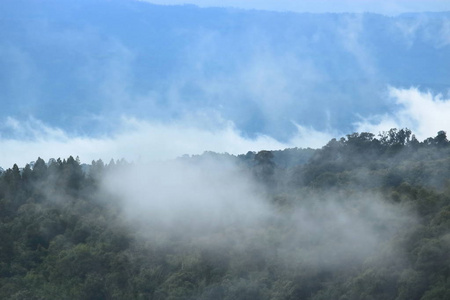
[135, 139]
[422, 112]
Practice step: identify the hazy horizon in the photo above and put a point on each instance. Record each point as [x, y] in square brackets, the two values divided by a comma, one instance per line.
[130, 79]
[384, 7]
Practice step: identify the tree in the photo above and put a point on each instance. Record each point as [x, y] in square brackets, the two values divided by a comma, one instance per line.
[395, 137]
[27, 178]
[72, 174]
[13, 180]
[39, 169]
[441, 139]
[265, 167]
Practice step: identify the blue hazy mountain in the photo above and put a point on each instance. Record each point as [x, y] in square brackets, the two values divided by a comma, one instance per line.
[80, 65]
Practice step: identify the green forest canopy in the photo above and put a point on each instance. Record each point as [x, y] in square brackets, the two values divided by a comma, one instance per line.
[364, 217]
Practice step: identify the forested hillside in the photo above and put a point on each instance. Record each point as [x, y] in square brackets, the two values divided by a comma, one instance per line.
[365, 217]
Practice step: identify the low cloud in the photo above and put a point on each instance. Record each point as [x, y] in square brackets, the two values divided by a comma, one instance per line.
[423, 112]
[138, 140]
[135, 139]
[216, 204]
[309, 137]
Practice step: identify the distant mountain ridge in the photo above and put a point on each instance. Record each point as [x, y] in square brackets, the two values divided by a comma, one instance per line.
[77, 65]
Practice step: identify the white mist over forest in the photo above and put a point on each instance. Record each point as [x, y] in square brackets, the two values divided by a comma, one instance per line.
[217, 204]
[224, 150]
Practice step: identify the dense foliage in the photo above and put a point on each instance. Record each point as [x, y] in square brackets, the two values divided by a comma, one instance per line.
[62, 237]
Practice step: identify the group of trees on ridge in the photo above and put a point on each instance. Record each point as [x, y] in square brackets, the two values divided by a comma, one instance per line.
[63, 238]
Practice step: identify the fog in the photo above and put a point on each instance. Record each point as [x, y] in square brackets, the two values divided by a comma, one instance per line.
[218, 205]
[157, 85]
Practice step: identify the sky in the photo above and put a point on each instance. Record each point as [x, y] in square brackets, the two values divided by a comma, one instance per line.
[388, 7]
[128, 79]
